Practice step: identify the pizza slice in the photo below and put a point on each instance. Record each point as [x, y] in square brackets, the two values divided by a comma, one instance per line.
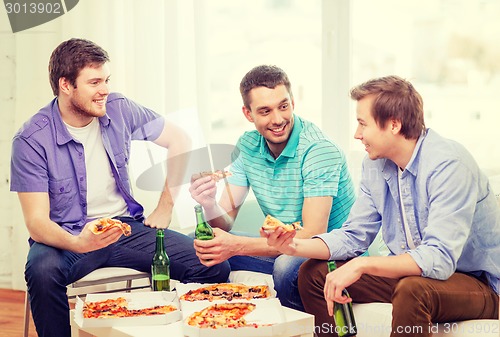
[224, 315]
[104, 224]
[216, 175]
[271, 224]
[115, 307]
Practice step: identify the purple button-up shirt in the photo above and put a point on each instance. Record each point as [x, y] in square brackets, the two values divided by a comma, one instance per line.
[45, 157]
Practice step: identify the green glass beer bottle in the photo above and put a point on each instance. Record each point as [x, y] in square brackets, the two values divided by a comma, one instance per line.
[345, 326]
[203, 230]
[160, 267]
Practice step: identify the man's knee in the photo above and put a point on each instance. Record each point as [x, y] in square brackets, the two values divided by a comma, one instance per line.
[408, 290]
[218, 273]
[221, 271]
[281, 266]
[285, 270]
[44, 268]
[311, 275]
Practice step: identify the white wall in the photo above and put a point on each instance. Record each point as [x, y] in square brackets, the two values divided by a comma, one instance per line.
[24, 89]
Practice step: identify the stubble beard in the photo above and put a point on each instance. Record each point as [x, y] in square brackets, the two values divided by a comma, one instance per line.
[81, 110]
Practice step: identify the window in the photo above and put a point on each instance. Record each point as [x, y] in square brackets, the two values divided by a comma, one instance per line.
[449, 50]
[240, 35]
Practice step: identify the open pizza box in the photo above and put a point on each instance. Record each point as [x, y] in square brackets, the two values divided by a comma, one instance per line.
[268, 316]
[136, 300]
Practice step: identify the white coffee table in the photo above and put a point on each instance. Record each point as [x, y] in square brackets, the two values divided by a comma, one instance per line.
[298, 324]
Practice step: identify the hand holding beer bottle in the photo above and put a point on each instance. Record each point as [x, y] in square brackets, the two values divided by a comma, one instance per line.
[345, 326]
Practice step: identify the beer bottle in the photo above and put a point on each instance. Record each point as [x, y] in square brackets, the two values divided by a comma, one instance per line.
[160, 267]
[203, 230]
[345, 326]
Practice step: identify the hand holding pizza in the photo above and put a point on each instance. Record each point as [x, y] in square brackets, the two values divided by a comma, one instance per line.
[203, 187]
[279, 235]
[97, 235]
[203, 190]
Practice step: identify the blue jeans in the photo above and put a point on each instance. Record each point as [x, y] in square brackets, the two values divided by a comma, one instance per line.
[285, 271]
[49, 270]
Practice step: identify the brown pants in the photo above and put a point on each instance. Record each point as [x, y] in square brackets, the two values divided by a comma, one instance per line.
[417, 302]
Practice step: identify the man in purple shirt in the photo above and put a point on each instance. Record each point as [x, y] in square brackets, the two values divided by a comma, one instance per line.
[70, 167]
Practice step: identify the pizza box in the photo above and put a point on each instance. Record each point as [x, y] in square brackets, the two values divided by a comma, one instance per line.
[136, 300]
[268, 315]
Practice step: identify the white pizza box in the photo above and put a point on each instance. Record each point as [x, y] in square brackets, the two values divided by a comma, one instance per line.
[183, 288]
[268, 315]
[136, 300]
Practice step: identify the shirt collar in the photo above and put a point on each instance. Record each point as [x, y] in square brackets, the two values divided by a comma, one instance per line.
[291, 145]
[412, 166]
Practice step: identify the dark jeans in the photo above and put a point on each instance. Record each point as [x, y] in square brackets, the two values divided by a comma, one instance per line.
[49, 270]
[417, 302]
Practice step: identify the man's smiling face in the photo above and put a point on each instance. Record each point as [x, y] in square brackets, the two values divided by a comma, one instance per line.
[271, 111]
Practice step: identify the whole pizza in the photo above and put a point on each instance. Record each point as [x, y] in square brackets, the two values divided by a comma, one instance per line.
[227, 292]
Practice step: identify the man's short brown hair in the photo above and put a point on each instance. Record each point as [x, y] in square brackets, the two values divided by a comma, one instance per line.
[72, 56]
[263, 76]
[395, 98]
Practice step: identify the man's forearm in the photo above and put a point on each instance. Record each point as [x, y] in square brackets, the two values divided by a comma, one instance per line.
[51, 234]
[311, 248]
[388, 266]
[166, 200]
[255, 247]
[218, 217]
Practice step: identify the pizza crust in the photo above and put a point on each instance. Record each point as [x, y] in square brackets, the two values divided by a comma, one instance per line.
[271, 224]
[216, 175]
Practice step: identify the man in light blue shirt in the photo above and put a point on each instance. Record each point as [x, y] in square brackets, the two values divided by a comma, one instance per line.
[295, 172]
[438, 216]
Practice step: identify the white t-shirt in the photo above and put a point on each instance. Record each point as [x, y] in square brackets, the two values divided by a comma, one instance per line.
[103, 196]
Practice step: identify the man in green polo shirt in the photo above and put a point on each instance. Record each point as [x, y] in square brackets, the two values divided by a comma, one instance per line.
[296, 174]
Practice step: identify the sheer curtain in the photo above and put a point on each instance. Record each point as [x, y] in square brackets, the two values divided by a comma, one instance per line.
[151, 46]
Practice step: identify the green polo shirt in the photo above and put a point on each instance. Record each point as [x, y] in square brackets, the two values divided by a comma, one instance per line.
[310, 165]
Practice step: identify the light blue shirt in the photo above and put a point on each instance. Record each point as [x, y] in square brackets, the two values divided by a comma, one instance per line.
[310, 165]
[451, 211]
